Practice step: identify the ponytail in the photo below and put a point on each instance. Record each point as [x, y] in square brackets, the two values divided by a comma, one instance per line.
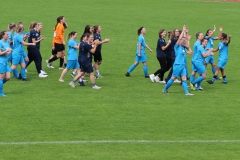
[11, 26]
[95, 28]
[139, 30]
[59, 20]
[71, 34]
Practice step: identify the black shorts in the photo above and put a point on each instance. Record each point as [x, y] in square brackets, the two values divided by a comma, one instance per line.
[97, 56]
[86, 68]
[59, 47]
[54, 52]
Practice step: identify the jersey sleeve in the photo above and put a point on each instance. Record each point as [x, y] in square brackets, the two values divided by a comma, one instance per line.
[161, 43]
[19, 39]
[71, 44]
[60, 32]
[1, 46]
[88, 47]
[96, 37]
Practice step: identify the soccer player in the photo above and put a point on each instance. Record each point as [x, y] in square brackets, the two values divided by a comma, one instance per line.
[223, 57]
[86, 49]
[17, 54]
[198, 63]
[140, 53]
[199, 37]
[5, 50]
[210, 38]
[98, 54]
[179, 68]
[11, 30]
[173, 37]
[34, 51]
[59, 43]
[72, 63]
[162, 54]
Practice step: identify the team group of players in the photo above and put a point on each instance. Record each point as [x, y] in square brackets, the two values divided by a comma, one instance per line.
[172, 54]
[12, 52]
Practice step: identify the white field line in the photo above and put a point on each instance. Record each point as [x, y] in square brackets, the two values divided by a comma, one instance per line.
[118, 141]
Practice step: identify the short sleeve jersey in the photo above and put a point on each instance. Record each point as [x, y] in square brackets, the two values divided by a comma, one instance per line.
[210, 42]
[72, 52]
[223, 51]
[180, 52]
[84, 53]
[34, 35]
[4, 45]
[17, 42]
[199, 56]
[98, 36]
[141, 41]
[195, 49]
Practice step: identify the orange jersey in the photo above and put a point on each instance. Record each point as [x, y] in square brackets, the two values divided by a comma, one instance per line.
[59, 34]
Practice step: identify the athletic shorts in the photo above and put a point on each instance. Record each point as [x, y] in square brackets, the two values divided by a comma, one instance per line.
[54, 52]
[97, 56]
[141, 59]
[17, 59]
[9, 57]
[222, 63]
[200, 67]
[59, 47]
[209, 60]
[24, 54]
[193, 67]
[87, 68]
[72, 64]
[179, 70]
[3, 68]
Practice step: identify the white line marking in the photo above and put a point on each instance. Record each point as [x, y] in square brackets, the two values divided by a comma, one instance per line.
[119, 141]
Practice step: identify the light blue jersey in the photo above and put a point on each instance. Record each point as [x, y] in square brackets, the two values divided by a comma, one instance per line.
[72, 52]
[17, 44]
[10, 36]
[199, 56]
[195, 49]
[4, 45]
[141, 40]
[223, 51]
[210, 42]
[180, 52]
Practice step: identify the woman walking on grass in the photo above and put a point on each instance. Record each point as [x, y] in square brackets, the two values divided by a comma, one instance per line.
[140, 53]
[72, 63]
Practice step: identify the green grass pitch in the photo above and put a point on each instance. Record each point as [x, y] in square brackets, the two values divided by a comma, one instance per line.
[130, 117]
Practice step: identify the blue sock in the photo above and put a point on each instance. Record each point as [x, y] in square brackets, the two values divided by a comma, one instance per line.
[199, 79]
[169, 83]
[184, 85]
[26, 62]
[1, 86]
[192, 78]
[15, 73]
[214, 78]
[132, 67]
[23, 73]
[145, 70]
[213, 70]
[199, 85]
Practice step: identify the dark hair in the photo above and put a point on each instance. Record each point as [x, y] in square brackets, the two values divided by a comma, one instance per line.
[197, 34]
[173, 35]
[2, 33]
[139, 30]
[87, 29]
[11, 26]
[65, 25]
[59, 20]
[224, 35]
[71, 34]
[160, 32]
[95, 28]
[207, 32]
[84, 35]
[32, 25]
[203, 40]
[20, 23]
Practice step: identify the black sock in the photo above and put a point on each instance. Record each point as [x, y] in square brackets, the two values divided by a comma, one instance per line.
[215, 77]
[53, 59]
[61, 62]
[224, 76]
[65, 64]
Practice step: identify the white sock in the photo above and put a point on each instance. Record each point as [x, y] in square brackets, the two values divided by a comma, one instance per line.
[97, 72]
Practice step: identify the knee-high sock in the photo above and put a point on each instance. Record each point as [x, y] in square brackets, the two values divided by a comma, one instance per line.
[199, 79]
[61, 62]
[4, 80]
[185, 88]
[169, 83]
[15, 73]
[213, 70]
[26, 62]
[132, 67]
[145, 70]
[192, 78]
[1, 86]
[23, 73]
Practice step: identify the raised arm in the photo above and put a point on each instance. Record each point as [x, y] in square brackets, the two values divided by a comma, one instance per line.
[181, 35]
